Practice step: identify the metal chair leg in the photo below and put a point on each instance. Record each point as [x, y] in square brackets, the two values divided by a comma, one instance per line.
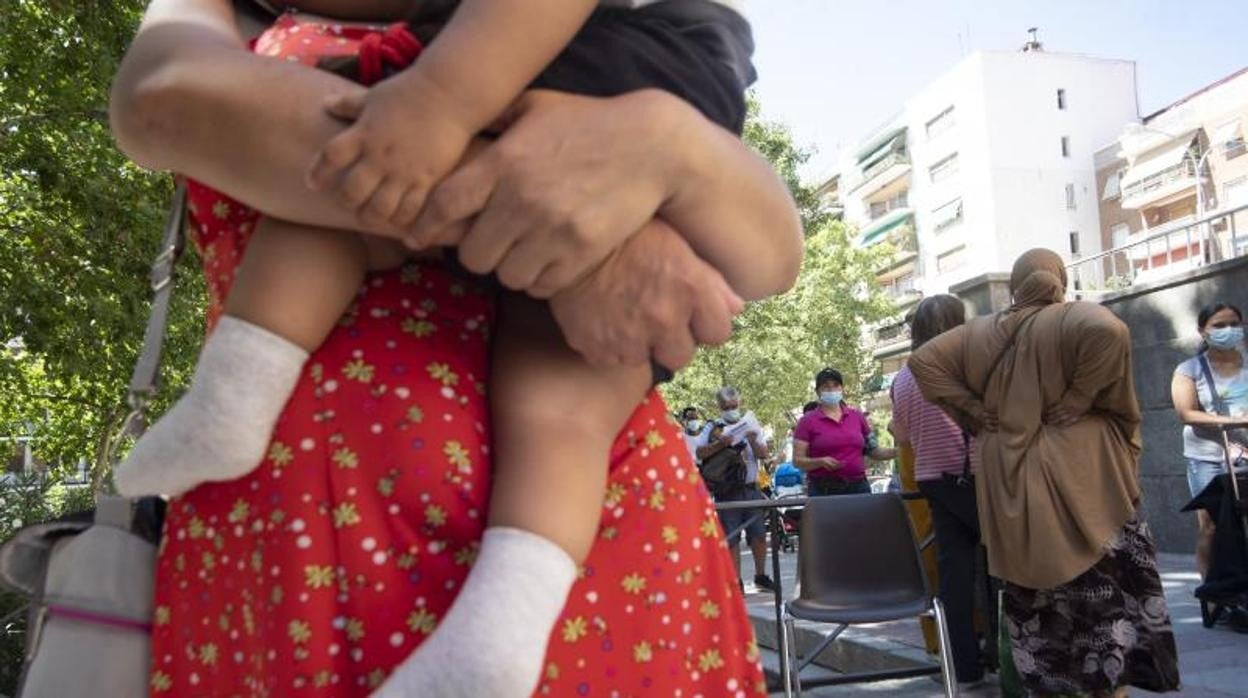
[946, 650]
[791, 674]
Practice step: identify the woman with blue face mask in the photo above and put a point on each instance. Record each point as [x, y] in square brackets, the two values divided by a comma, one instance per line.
[832, 442]
[1202, 410]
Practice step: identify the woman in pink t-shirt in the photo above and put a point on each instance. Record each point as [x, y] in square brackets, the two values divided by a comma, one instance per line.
[832, 442]
[943, 470]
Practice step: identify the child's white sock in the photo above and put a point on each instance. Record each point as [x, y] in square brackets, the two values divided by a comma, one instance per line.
[219, 429]
[493, 639]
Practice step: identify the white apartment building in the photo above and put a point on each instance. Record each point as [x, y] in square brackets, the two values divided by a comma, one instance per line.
[991, 159]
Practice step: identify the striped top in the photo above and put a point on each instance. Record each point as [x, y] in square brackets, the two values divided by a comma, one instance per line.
[937, 440]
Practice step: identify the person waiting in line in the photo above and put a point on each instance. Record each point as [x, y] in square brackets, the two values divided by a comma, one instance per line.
[1203, 409]
[942, 469]
[694, 430]
[831, 443]
[1046, 388]
[741, 430]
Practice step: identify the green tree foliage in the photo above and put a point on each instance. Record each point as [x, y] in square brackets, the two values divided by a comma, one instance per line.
[780, 343]
[78, 227]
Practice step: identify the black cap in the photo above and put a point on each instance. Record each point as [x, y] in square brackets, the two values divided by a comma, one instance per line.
[829, 375]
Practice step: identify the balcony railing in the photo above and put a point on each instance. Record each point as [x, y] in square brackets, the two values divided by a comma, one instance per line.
[1183, 170]
[897, 157]
[1155, 254]
[879, 209]
[892, 334]
[901, 288]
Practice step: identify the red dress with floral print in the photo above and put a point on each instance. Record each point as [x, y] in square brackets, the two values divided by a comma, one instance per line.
[324, 568]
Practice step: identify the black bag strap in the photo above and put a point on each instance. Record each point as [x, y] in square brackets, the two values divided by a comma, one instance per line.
[1219, 405]
[966, 456]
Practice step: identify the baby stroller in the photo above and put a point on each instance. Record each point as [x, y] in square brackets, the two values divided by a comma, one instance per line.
[1226, 584]
[787, 483]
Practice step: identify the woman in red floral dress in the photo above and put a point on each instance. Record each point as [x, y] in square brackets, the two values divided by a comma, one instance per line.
[322, 570]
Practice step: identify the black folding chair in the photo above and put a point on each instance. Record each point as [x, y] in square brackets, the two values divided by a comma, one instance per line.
[859, 563]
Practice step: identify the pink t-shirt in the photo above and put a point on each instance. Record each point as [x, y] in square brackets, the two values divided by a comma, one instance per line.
[937, 439]
[843, 440]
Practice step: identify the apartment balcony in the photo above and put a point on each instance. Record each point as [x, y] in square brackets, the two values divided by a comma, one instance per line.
[902, 291]
[890, 340]
[879, 229]
[905, 243]
[1158, 178]
[883, 172]
[883, 161]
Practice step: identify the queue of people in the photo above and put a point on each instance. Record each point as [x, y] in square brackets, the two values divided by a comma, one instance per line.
[1025, 431]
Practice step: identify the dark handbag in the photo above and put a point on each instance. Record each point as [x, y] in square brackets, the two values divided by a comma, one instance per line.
[90, 576]
[964, 479]
[724, 473]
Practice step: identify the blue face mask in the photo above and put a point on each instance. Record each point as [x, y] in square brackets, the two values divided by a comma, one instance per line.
[831, 398]
[1226, 337]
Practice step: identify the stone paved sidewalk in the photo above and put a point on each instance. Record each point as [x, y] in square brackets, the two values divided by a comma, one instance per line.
[1213, 663]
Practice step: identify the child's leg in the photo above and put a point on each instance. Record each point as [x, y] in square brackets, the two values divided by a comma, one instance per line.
[554, 419]
[292, 286]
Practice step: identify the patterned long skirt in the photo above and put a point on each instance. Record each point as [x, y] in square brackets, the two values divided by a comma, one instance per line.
[1107, 628]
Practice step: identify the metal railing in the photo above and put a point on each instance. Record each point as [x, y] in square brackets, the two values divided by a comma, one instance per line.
[1184, 170]
[1157, 253]
[897, 157]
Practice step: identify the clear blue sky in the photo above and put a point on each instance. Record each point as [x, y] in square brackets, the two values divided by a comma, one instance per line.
[834, 69]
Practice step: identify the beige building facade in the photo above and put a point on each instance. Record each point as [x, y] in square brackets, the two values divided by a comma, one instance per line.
[1162, 175]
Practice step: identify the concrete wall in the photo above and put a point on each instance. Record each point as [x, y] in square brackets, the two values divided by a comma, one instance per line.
[1162, 318]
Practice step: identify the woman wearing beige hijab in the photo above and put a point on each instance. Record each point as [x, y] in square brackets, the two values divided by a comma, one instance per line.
[1046, 387]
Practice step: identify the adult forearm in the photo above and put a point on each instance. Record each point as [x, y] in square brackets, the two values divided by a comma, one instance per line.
[191, 100]
[1200, 418]
[808, 464]
[733, 209]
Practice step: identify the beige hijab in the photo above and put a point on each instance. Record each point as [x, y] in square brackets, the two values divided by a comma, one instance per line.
[1050, 498]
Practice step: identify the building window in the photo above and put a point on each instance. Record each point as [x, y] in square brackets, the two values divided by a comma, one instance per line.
[1235, 192]
[1074, 243]
[947, 216]
[1113, 186]
[1070, 196]
[1065, 146]
[951, 260]
[1061, 99]
[1118, 235]
[1230, 137]
[944, 169]
[940, 123]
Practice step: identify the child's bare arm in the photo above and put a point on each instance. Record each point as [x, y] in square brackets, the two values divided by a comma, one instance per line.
[411, 129]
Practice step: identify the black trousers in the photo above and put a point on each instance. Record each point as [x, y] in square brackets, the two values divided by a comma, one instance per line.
[955, 521]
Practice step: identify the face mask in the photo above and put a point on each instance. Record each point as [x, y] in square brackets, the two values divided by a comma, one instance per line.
[1226, 337]
[831, 398]
[693, 426]
[732, 416]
